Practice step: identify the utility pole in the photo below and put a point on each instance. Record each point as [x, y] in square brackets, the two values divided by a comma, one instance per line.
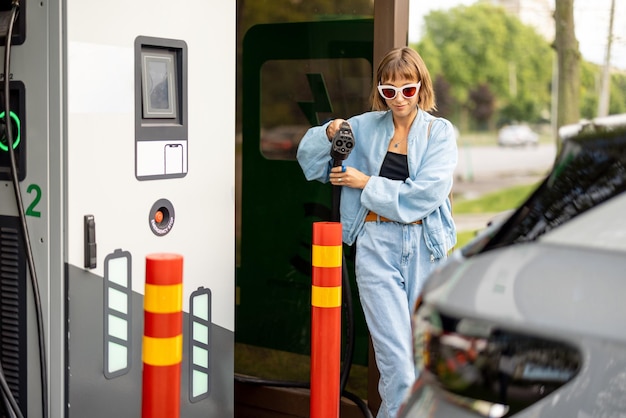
[605, 86]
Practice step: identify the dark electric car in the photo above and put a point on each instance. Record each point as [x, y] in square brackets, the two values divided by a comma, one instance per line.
[529, 319]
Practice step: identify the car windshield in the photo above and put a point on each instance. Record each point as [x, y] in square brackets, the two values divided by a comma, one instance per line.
[590, 169]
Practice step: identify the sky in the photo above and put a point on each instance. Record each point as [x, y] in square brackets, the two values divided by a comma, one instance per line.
[591, 20]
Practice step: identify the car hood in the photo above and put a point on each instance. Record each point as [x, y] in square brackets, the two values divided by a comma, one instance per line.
[536, 286]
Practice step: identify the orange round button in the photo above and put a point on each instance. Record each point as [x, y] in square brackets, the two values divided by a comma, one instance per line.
[158, 216]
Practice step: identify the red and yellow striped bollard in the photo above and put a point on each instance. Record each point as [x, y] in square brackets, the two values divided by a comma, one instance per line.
[326, 320]
[163, 336]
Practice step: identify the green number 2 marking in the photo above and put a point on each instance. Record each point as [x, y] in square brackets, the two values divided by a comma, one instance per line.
[30, 211]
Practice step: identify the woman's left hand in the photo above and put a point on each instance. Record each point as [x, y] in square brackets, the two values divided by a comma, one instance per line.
[348, 176]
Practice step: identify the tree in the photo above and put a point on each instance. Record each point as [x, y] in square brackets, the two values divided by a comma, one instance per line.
[566, 44]
[590, 86]
[445, 101]
[482, 44]
[617, 102]
[481, 104]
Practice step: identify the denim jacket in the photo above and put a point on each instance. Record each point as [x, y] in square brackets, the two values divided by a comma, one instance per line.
[424, 195]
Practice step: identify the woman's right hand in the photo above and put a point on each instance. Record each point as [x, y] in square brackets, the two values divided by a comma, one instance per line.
[333, 127]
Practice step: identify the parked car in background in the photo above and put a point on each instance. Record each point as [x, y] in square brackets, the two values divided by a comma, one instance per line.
[517, 135]
[527, 320]
[281, 142]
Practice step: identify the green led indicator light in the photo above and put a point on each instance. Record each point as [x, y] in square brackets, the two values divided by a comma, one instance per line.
[3, 146]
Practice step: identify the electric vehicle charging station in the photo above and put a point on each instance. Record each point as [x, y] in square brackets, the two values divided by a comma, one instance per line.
[125, 113]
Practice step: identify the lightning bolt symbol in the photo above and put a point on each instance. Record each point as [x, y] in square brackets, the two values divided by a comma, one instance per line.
[321, 101]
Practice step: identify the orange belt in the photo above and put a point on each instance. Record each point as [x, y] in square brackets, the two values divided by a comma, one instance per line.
[372, 217]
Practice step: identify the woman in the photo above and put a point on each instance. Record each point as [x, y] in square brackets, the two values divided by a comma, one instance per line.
[394, 205]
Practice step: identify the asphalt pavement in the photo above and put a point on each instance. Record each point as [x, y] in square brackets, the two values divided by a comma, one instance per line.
[482, 170]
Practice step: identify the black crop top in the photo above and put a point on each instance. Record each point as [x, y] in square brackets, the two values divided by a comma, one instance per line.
[395, 166]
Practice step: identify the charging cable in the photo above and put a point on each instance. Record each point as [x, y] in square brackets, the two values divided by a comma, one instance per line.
[27, 245]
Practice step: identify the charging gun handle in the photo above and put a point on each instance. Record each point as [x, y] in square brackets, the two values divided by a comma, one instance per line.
[342, 145]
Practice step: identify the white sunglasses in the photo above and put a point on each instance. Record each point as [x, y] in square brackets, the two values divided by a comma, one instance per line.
[390, 92]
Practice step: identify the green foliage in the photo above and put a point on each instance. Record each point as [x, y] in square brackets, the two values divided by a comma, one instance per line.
[463, 237]
[590, 90]
[617, 102]
[469, 46]
[491, 203]
[445, 101]
[481, 44]
[481, 104]
[495, 202]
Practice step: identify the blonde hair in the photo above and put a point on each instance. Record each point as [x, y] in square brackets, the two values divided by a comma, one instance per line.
[404, 63]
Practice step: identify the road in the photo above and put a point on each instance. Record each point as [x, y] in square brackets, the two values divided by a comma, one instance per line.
[487, 169]
[487, 161]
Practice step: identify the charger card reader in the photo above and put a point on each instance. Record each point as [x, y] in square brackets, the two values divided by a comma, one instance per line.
[161, 148]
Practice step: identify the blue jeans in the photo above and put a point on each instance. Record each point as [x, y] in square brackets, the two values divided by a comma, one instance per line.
[391, 266]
